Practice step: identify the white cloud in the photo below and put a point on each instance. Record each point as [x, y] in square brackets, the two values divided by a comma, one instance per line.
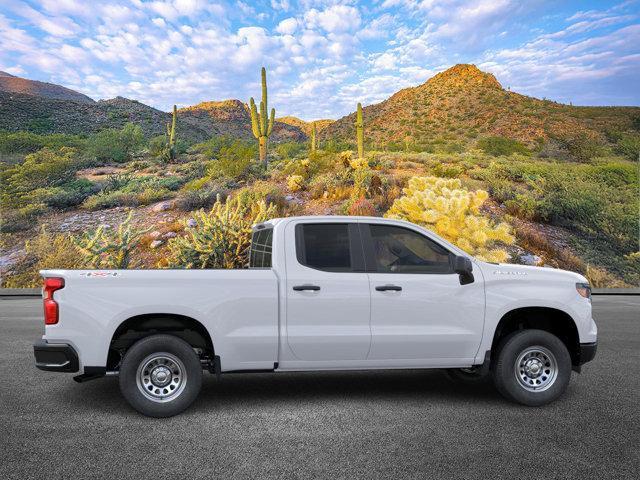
[15, 70]
[56, 26]
[280, 5]
[287, 26]
[386, 61]
[340, 51]
[335, 19]
[378, 27]
[73, 55]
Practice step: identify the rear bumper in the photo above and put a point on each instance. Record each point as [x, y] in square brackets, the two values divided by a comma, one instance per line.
[55, 357]
[587, 352]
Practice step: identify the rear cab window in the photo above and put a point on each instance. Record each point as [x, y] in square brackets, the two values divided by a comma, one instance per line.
[261, 248]
[330, 247]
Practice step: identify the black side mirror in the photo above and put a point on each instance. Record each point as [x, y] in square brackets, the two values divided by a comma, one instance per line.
[463, 267]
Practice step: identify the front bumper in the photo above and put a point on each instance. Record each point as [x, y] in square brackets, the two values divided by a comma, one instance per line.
[55, 357]
[587, 352]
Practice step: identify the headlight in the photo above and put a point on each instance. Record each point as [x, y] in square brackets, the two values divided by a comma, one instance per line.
[584, 289]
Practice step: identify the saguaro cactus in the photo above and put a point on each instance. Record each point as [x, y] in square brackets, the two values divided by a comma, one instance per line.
[360, 132]
[171, 136]
[260, 124]
[314, 140]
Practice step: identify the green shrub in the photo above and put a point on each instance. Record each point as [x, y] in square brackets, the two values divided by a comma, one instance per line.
[152, 195]
[110, 200]
[45, 251]
[498, 146]
[157, 145]
[447, 170]
[22, 218]
[233, 160]
[260, 190]
[124, 198]
[116, 181]
[40, 125]
[43, 169]
[188, 200]
[523, 206]
[582, 146]
[69, 195]
[27, 142]
[211, 148]
[116, 145]
[289, 150]
[629, 146]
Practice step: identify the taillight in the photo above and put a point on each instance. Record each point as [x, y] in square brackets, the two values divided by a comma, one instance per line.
[50, 306]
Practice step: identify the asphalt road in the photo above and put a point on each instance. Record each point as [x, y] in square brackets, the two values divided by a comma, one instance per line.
[395, 424]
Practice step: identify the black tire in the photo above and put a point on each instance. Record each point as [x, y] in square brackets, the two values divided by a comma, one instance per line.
[169, 360]
[469, 376]
[546, 378]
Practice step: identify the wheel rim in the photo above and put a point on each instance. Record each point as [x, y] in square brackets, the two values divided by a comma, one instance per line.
[161, 377]
[536, 369]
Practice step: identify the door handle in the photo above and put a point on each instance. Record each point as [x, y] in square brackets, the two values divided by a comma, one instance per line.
[385, 288]
[305, 288]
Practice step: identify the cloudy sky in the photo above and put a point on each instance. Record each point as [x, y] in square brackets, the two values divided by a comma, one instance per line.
[322, 56]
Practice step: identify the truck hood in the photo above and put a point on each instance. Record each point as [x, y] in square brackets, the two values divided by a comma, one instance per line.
[531, 273]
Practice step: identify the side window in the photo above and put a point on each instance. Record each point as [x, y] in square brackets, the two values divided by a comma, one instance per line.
[261, 248]
[325, 246]
[400, 250]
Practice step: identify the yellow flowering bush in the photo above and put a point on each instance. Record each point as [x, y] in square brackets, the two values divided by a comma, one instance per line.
[295, 182]
[453, 212]
[358, 163]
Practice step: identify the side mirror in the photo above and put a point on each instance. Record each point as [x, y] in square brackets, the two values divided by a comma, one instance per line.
[463, 267]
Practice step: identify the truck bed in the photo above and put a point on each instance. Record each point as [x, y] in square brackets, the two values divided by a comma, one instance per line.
[239, 306]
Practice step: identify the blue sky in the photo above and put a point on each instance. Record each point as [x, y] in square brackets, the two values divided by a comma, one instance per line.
[322, 56]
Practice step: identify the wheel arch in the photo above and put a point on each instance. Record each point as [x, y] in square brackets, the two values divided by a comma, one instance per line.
[137, 327]
[552, 320]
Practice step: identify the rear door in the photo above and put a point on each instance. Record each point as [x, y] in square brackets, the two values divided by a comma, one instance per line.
[420, 313]
[327, 292]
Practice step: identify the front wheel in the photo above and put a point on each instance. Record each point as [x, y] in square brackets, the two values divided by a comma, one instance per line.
[160, 375]
[533, 367]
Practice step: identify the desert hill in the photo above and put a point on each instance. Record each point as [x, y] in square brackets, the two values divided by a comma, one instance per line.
[47, 108]
[464, 103]
[16, 85]
[232, 117]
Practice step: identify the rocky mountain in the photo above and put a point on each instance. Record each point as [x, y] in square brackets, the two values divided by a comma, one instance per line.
[464, 103]
[16, 85]
[48, 108]
[232, 117]
[19, 111]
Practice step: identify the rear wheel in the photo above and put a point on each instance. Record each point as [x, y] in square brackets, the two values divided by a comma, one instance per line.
[160, 375]
[533, 367]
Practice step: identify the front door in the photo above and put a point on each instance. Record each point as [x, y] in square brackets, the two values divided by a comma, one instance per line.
[327, 291]
[420, 313]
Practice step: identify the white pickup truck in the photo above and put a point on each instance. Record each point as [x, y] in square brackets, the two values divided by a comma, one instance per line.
[321, 293]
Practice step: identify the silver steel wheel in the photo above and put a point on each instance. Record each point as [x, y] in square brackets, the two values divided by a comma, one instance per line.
[161, 377]
[536, 369]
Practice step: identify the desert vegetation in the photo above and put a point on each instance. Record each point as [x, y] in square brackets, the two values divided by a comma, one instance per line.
[123, 198]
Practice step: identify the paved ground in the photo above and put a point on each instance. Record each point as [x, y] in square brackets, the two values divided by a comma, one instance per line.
[332, 425]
